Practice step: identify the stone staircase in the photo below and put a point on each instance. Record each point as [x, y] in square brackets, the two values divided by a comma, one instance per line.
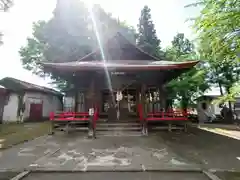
[118, 128]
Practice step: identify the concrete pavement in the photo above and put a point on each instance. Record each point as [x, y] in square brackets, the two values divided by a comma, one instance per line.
[194, 150]
[76, 152]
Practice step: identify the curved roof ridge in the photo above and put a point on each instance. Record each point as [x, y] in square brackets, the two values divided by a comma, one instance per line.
[122, 36]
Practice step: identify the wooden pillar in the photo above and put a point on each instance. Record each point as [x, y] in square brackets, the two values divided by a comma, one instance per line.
[137, 100]
[144, 109]
[90, 104]
[163, 97]
[76, 100]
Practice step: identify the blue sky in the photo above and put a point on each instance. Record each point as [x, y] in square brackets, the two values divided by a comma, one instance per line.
[169, 18]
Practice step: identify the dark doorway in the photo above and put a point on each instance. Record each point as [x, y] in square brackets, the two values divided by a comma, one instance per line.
[36, 112]
[127, 106]
[1, 107]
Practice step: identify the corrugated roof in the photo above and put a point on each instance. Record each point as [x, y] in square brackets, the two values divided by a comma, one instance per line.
[16, 85]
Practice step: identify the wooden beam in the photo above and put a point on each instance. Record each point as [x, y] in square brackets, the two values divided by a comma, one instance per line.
[144, 108]
[91, 105]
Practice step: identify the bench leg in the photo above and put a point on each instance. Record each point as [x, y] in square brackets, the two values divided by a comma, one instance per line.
[94, 133]
[91, 129]
[144, 128]
[185, 127]
[52, 128]
[67, 128]
[170, 127]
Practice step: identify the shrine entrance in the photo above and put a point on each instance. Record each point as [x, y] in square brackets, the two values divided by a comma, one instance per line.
[127, 106]
[126, 69]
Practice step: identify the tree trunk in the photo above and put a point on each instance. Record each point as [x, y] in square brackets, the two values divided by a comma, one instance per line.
[220, 87]
[229, 102]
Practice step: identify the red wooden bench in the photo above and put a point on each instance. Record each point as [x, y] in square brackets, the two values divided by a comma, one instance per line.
[71, 118]
[167, 116]
[170, 117]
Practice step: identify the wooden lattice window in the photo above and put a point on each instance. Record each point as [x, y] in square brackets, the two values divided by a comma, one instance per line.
[69, 103]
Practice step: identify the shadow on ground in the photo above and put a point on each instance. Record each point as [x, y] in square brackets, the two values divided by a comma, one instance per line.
[207, 149]
[228, 175]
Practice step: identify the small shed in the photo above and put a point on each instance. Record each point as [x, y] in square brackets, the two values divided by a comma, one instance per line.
[3, 94]
[205, 106]
[28, 102]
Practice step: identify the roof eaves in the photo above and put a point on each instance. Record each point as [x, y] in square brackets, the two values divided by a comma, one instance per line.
[29, 86]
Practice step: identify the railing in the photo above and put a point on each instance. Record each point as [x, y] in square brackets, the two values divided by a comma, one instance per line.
[74, 117]
[69, 116]
[169, 115]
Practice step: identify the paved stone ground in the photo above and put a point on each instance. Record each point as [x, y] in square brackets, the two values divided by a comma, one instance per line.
[163, 150]
[207, 149]
[117, 176]
[75, 152]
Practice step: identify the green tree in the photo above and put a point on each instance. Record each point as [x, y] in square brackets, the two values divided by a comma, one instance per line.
[68, 36]
[147, 38]
[217, 20]
[5, 5]
[189, 85]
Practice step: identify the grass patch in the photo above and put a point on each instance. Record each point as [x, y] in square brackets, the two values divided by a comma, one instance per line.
[12, 134]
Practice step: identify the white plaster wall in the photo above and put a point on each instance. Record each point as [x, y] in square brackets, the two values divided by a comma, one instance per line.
[211, 109]
[217, 109]
[50, 103]
[214, 107]
[10, 109]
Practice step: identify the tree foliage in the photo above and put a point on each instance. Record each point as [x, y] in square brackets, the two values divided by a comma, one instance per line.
[147, 38]
[4, 6]
[219, 44]
[192, 83]
[69, 35]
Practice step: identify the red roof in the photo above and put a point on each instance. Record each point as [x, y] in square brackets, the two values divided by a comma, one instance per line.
[119, 65]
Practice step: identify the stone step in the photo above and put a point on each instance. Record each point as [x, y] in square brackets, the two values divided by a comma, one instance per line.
[118, 121]
[118, 124]
[118, 128]
[118, 133]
